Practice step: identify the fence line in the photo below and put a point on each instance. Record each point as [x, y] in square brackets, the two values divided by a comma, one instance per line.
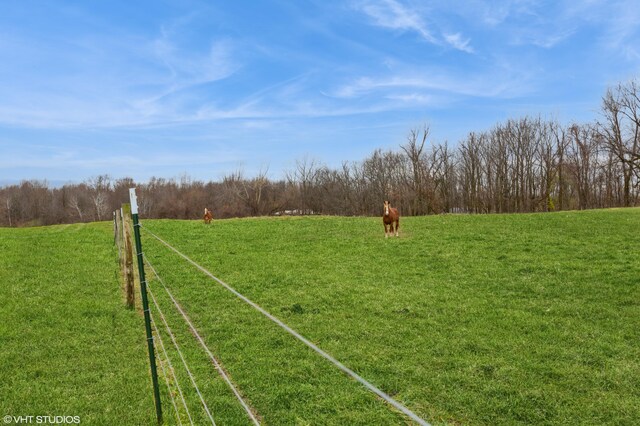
[166, 376]
[184, 362]
[204, 346]
[298, 336]
[173, 373]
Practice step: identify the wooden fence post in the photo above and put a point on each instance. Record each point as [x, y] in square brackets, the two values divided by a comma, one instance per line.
[121, 238]
[117, 229]
[127, 250]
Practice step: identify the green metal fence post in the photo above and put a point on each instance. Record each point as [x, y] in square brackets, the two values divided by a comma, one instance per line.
[145, 301]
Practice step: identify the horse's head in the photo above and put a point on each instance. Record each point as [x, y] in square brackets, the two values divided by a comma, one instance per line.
[386, 208]
[206, 210]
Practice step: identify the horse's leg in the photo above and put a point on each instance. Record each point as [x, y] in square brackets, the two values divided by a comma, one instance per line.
[386, 235]
[397, 226]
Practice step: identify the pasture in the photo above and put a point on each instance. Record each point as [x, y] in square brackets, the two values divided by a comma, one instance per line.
[68, 347]
[499, 319]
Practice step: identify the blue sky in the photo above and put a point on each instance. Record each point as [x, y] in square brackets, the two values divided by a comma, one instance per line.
[164, 88]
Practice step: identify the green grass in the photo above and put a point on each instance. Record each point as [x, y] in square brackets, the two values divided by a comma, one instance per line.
[498, 319]
[501, 319]
[68, 347]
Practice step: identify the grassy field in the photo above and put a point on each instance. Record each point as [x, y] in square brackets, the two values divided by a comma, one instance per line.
[500, 319]
[68, 347]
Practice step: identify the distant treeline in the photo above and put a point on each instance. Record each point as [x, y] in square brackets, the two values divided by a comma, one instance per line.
[521, 165]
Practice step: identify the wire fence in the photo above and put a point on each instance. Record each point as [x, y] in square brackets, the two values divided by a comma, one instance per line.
[195, 332]
[184, 362]
[250, 413]
[173, 375]
[126, 223]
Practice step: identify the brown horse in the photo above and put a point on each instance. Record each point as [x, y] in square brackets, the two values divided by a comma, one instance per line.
[208, 216]
[390, 217]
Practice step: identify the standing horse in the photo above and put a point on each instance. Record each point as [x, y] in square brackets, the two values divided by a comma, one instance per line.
[390, 217]
[208, 216]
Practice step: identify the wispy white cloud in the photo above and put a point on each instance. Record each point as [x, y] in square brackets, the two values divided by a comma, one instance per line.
[97, 158]
[102, 81]
[457, 41]
[494, 13]
[522, 22]
[614, 23]
[412, 98]
[549, 40]
[188, 67]
[430, 81]
[394, 15]
[188, 70]
[622, 29]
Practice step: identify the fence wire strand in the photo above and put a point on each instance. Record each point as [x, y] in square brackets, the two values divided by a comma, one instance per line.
[213, 359]
[173, 373]
[164, 372]
[184, 362]
[298, 336]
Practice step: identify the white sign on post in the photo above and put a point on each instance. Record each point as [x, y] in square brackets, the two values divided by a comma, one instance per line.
[134, 201]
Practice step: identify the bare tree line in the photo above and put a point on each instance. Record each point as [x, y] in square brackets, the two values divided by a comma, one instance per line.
[528, 164]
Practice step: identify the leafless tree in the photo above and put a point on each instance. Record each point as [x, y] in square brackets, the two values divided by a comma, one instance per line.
[583, 153]
[547, 163]
[100, 187]
[473, 172]
[561, 144]
[305, 178]
[414, 150]
[74, 203]
[620, 131]
[8, 204]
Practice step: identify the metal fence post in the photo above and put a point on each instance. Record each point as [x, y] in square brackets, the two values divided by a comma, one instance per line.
[145, 301]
